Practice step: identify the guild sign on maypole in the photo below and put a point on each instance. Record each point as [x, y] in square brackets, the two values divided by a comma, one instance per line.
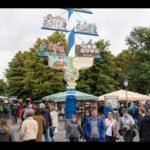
[75, 59]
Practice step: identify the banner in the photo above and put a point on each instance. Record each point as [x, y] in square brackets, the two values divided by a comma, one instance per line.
[54, 22]
[83, 62]
[87, 50]
[113, 100]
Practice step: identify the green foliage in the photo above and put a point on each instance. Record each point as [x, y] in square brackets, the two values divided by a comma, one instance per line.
[28, 75]
[139, 39]
[3, 87]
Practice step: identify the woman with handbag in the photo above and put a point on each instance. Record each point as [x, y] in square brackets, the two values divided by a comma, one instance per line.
[111, 129]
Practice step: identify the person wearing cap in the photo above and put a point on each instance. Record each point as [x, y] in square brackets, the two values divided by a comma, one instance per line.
[46, 114]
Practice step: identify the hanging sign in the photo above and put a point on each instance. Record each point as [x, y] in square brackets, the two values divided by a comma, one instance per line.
[55, 22]
[113, 100]
[85, 27]
[83, 62]
[87, 50]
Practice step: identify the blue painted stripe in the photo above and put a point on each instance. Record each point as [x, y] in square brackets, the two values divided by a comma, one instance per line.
[71, 40]
[70, 12]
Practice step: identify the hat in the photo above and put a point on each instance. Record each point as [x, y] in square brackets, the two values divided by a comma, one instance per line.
[42, 105]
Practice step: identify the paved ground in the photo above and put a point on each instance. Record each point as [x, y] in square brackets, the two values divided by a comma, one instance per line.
[60, 135]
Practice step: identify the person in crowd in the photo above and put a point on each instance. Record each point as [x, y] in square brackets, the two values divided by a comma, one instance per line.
[145, 127]
[6, 109]
[62, 112]
[74, 130]
[6, 133]
[142, 112]
[41, 124]
[28, 110]
[83, 121]
[1, 110]
[29, 129]
[46, 114]
[122, 107]
[127, 126]
[53, 128]
[14, 113]
[101, 108]
[111, 128]
[94, 128]
[133, 110]
[140, 105]
[86, 115]
[107, 109]
[147, 105]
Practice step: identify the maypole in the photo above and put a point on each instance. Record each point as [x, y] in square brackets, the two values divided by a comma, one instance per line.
[74, 60]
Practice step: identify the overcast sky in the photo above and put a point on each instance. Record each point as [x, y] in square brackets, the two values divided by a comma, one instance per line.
[19, 28]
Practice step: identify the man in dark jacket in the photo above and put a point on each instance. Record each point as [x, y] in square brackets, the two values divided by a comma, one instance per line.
[142, 112]
[94, 128]
[14, 113]
[145, 127]
[46, 114]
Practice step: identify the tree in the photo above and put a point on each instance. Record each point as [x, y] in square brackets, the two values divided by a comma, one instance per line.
[139, 72]
[3, 87]
[139, 39]
[28, 75]
[135, 62]
[123, 61]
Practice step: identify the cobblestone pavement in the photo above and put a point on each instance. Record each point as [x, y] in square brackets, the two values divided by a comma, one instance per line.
[60, 135]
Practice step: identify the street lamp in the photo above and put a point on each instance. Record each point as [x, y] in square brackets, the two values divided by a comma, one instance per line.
[126, 85]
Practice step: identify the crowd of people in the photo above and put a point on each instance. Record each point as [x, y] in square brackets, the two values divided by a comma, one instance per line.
[97, 125]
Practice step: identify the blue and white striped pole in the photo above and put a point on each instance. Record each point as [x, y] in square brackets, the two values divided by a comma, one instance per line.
[70, 108]
[71, 36]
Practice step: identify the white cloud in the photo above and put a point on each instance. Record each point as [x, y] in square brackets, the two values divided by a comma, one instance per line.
[19, 28]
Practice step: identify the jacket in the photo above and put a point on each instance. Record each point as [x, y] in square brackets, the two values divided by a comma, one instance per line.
[114, 127]
[29, 129]
[6, 135]
[145, 128]
[101, 128]
[41, 125]
[107, 110]
[74, 130]
[54, 118]
[129, 121]
[46, 114]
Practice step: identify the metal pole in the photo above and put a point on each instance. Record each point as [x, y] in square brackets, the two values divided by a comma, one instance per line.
[126, 97]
